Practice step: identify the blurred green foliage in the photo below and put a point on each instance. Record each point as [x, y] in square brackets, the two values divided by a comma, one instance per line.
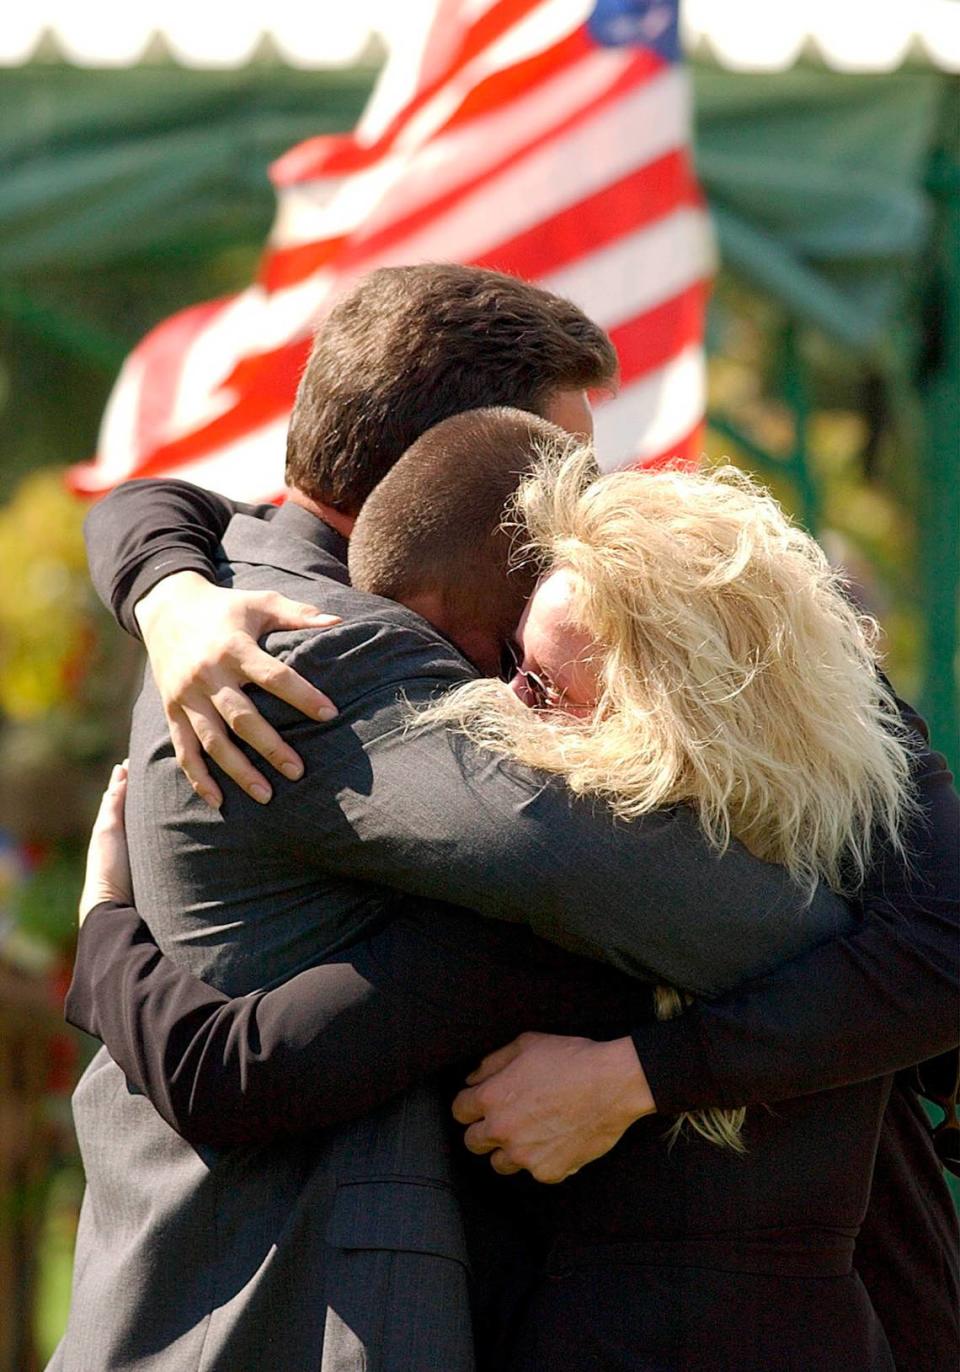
[861, 439]
[45, 611]
[44, 906]
[63, 337]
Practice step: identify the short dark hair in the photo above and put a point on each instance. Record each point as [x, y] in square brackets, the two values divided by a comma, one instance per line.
[434, 523]
[410, 346]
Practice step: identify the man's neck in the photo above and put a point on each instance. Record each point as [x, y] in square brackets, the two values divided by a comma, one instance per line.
[338, 521]
[478, 645]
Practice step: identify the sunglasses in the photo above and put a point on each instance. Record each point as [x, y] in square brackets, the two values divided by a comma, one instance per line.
[938, 1080]
[545, 696]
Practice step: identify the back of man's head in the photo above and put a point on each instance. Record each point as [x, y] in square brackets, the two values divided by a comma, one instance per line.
[410, 346]
[431, 535]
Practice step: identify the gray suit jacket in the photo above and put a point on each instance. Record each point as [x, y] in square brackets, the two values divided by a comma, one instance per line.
[346, 1250]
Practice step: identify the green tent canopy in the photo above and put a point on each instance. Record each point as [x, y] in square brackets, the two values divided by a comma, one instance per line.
[816, 180]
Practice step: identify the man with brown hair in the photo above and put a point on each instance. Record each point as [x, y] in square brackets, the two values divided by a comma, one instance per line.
[409, 346]
[404, 349]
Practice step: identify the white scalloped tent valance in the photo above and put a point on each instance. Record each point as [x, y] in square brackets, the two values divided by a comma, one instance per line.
[197, 33]
[845, 35]
[743, 35]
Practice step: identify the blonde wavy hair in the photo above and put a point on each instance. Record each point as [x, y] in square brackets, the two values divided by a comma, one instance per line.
[736, 675]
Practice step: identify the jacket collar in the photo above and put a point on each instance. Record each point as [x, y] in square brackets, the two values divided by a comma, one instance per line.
[293, 540]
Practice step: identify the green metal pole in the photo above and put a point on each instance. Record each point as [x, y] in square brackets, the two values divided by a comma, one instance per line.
[796, 466]
[938, 531]
[794, 384]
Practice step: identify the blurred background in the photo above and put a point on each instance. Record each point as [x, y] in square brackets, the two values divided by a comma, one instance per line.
[133, 161]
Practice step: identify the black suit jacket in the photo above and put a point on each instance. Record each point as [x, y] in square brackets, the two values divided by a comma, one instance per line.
[895, 975]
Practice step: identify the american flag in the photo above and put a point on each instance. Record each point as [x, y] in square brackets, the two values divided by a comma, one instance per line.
[546, 138]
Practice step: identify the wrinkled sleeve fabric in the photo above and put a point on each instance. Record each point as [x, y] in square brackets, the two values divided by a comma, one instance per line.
[427, 813]
[882, 998]
[146, 530]
[336, 1040]
[429, 817]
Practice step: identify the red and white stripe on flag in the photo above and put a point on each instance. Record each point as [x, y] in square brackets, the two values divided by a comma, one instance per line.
[501, 133]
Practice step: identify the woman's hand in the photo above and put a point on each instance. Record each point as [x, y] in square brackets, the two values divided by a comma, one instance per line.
[202, 642]
[108, 863]
[549, 1104]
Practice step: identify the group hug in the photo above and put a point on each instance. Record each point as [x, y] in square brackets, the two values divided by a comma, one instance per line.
[525, 929]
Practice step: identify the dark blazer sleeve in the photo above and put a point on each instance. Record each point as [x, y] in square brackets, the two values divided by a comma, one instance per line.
[145, 530]
[882, 998]
[650, 897]
[336, 1040]
[425, 812]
